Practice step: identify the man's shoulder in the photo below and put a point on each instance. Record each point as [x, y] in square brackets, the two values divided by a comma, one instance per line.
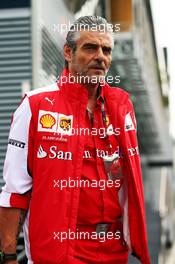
[43, 91]
[116, 94]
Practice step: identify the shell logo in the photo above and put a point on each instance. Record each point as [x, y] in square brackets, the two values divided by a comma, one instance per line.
[47, 121]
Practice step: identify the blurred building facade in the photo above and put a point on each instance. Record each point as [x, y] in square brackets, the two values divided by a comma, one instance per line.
[31, 56]
[30, 53]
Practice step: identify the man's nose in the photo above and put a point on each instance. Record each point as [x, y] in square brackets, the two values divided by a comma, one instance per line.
[99, 55]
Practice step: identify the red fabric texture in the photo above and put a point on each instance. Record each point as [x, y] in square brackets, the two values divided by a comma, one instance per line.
[20, 200]
[97, 204]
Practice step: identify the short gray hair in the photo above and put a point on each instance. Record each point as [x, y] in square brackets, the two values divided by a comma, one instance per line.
[85, 23]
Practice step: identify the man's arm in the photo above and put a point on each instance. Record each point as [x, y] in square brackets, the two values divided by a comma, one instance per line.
[132, 169]
[11, 221]
[15, 195]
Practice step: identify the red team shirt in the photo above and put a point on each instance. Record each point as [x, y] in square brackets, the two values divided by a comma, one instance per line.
[98, 204]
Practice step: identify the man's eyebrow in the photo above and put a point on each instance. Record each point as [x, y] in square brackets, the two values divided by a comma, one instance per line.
[95, 45]
[90, 44]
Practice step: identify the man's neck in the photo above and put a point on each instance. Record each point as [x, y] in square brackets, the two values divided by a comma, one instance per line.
[92, 96]
[92, 89]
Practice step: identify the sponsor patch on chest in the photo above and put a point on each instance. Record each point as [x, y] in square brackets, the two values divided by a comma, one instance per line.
[65, 124]
[55, 122]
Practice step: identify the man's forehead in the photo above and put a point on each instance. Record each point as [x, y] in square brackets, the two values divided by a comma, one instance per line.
[95, 37]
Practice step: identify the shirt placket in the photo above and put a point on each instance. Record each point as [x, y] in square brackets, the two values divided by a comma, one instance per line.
[98, 124]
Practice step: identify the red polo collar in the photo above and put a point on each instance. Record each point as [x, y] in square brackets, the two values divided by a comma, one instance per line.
[75, 90]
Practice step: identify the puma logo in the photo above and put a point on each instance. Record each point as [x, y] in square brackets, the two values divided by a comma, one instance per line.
[50, 101]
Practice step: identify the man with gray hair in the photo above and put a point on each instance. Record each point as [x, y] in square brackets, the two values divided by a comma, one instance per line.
[78, 193]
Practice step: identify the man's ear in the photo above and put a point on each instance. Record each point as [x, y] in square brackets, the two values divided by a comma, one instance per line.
[67, 53]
